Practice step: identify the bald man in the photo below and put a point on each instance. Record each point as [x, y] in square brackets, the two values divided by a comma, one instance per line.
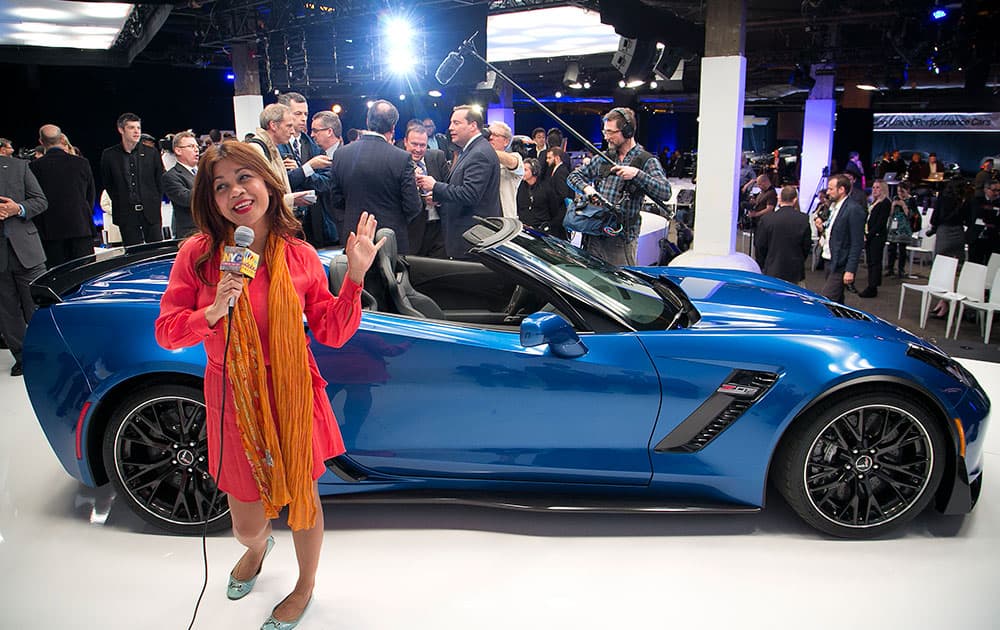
[67, 227]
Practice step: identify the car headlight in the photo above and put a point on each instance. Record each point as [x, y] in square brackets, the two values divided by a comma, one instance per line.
[944, 363]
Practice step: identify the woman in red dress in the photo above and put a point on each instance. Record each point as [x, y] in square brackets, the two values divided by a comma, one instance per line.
[277, 426]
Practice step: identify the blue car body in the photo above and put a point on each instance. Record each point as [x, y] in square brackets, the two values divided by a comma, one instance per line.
[433, 406]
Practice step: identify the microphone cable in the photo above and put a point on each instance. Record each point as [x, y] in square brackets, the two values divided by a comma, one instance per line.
[215, 495]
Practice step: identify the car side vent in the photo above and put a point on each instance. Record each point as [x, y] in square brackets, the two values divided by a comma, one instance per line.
[842, 311]
[738, 393]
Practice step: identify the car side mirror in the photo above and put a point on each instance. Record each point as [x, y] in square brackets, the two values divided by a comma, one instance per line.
[548, 328]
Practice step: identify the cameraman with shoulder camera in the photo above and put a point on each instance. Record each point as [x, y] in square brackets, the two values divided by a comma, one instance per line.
[635, 173]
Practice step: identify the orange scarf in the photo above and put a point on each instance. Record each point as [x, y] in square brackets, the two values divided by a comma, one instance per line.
[281, 467]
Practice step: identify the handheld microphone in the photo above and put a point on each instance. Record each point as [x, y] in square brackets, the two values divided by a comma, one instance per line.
[240, 258]
[449, 67]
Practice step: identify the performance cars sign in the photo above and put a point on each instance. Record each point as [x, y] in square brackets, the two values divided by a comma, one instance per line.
[987, 121]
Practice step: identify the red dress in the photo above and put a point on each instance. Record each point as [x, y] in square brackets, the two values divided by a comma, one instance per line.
[332, 321]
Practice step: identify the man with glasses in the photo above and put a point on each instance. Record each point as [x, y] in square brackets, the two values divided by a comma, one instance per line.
[306, 163]
[511, 167]
[178, 182]
[326, 132]
[635, 173]
[6, 147]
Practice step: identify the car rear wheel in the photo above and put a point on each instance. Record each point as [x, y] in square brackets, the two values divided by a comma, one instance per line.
[863, 465]
[156, 455]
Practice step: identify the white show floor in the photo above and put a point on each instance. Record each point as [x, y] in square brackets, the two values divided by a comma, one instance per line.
[394, 567]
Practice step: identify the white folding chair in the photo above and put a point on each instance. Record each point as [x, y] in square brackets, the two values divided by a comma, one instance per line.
[942, 279]
[971, 288]
[983, 309]
[924, 249]
[991, 269]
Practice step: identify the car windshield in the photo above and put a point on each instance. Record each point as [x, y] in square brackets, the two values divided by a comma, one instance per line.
[642, 302]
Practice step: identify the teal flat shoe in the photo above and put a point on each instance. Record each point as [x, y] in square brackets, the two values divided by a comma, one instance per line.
[238, 589]
[274, 624]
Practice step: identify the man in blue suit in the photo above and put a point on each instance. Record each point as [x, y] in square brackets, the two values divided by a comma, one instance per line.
[473, 187]
[846, 238]
[371, 175]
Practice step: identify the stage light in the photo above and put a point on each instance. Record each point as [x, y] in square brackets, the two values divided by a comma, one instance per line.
[398, 39]
[867, 87]
[653, 85]
[434, 93]
[230, 76]
[576, 85]
[401, 61]
[336, 109]
[621, 83]
[369, 104]
[634, 84]
[558, 94]
[939, 13]
[586, 85]
[402, 97]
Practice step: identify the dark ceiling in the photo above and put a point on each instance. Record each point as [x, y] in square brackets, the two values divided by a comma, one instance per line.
[919, 63]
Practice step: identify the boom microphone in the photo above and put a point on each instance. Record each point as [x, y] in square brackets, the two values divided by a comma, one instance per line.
[449, 67]
[240, 258]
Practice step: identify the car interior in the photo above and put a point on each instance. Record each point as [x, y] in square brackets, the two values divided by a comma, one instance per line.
[458, 291]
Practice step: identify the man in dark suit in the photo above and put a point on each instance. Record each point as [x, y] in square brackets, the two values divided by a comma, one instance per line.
[67, 227]
[558, 172]
[473, 186]
[178, 182]
[371, 175]
[846, 238]
[22, 258]
[133, 176]
[783, 239]
[426, 238]
[307, 165]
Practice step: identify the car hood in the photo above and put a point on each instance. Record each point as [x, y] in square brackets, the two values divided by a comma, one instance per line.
[728, 299]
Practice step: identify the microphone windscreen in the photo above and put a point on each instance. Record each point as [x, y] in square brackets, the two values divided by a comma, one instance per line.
[449, 68]
[243, 236]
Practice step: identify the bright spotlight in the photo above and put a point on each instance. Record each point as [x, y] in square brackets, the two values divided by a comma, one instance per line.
[654, 85]
[369, 104]
[399, 29]
[634, 84]
[434, 93]
[401, 61]
[621, 83]
[336, 109]
[586, 85]
[558, 94]
[402, 97]
[939, 13]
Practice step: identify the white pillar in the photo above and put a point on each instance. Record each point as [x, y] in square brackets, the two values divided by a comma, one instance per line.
[817, 136]
[247, 110]
[720, 140]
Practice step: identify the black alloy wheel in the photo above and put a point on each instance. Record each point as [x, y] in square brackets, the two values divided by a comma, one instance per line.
[156, 455]
[863, 465]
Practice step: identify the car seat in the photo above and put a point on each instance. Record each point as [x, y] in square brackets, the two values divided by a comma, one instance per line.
[338, 272]
[395, 274]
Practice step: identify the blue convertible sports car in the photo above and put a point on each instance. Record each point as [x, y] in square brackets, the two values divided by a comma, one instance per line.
[536, 378]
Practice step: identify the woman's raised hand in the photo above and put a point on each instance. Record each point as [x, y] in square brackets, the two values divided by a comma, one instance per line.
[361, 248]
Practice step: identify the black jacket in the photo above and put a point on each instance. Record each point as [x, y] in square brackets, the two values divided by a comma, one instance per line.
[68, 184]
[472, 189]
[149, 169]
[847, 237]
[372, 175]
[877, 227]
[783, 240]
[177, 184]
[538, 207]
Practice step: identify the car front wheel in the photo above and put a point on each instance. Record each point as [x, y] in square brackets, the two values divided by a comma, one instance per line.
[863, 465]
[156, 455]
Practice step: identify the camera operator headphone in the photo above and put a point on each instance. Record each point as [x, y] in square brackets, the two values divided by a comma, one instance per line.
[627, 127]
